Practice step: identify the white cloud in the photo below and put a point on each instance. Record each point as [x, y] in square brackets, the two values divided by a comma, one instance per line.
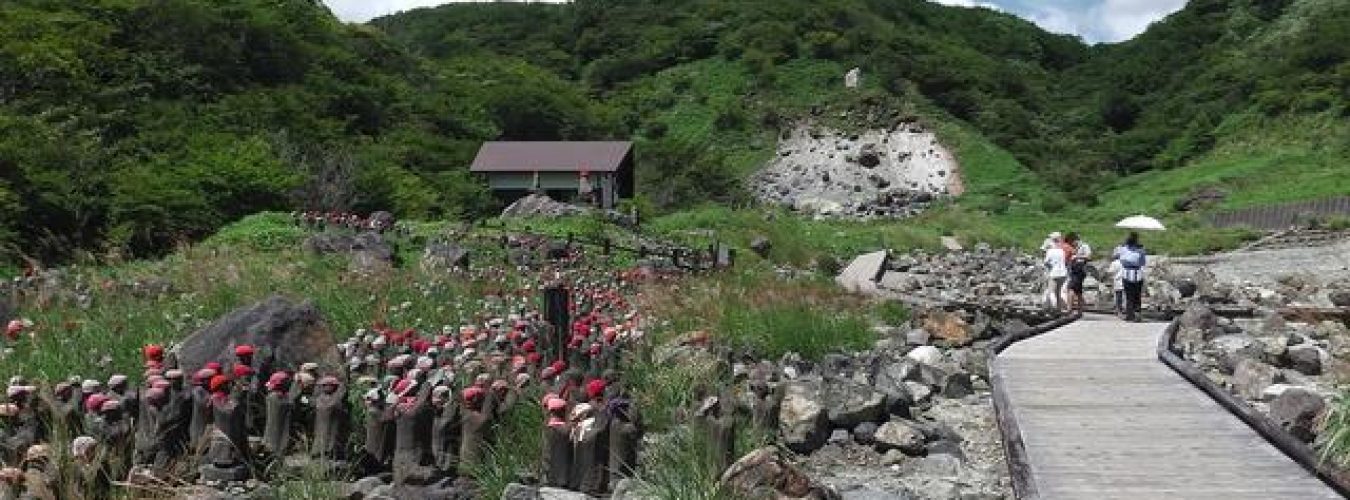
[360, 11]
[1123, 19]
[969, 3]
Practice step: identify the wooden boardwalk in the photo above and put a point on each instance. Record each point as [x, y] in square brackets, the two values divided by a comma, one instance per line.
[1101, 418]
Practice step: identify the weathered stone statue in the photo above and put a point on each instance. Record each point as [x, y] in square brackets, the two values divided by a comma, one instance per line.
[332, 420]
[227, 451]
[445, 428]
[557, 444]
[200, 421]
[625, 437]
[114, 430]
[412, 449]
[590, 450]
[475, 424]
[379, 446]
[175, 419]
[147, 426]
[279, 410]
[63, 406]
[39, 474]
[90, 470]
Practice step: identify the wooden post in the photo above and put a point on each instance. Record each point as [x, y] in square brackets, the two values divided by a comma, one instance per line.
[558, 317]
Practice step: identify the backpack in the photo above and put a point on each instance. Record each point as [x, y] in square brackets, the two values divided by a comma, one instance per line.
[1131, 257]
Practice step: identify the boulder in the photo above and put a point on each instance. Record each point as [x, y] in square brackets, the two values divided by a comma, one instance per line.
[332, 242]
[363, 487]
[1305, 359]
[766, 473]
[1186, 287]
[1196, 326]
[761, 246]
[849, 403]
[1252, 377]
[291, 334]
[925, 355]
[1297, 410]
[1339, 298]
[381, 221]
[917, 336]
[890, 379]
[900, 435]
[439, 256]
[947, 328]
[861, 275]
[865, 433]
[803, 423]
[957, 386]
[517, 491]
[548, 493]
[1323, 331]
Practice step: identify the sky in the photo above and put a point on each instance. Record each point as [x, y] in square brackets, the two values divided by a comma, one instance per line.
[1094, 20]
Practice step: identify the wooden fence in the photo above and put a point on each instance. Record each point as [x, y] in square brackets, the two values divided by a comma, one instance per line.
[1282, 216]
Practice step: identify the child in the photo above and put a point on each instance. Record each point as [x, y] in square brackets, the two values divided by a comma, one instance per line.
[1117, 285]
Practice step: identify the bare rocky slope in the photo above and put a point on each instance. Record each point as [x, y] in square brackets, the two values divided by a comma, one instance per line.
[892, 172]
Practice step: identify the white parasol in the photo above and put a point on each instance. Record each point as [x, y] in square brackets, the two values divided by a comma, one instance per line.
[1142, 222]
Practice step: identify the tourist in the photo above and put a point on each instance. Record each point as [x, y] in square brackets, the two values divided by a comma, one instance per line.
[1078, 263]
[1133, 258]
[1057, 270]
[1117, 286]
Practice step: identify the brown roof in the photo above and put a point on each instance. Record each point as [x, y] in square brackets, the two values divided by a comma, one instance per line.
[551, 156]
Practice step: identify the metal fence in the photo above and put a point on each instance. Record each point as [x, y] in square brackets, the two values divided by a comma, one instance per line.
[1283, 216]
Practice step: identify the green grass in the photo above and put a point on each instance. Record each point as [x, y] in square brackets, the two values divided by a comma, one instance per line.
[1335, 431]
[769, 316]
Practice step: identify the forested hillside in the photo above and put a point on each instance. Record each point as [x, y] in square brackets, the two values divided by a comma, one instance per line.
[129, 125]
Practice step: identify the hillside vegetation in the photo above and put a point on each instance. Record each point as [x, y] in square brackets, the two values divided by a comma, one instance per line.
[127, 126]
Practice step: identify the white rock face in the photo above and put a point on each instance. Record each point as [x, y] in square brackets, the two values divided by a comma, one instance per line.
[878, 173]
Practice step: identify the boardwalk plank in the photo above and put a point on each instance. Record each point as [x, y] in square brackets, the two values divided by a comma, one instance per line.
[1102, 418]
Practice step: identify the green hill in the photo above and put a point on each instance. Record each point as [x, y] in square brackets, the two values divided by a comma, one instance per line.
[128, 126]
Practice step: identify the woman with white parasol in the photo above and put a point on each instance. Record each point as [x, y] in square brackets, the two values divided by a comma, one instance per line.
[1133, 258]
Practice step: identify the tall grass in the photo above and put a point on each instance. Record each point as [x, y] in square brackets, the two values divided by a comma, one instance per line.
[1335, 431]
[766, 315]
[676, 467]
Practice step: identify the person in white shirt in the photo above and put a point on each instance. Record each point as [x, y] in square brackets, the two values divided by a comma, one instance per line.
[1117, 273]
[1048, 298]
[1057, 272]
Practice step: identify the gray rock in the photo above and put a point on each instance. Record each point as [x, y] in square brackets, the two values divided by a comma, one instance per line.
[839, 436]
[925, 355]
[1297, 410]
[1328, 329]
[867, 493]
[893, 457]
[957, 386]
[445, 256]
[761, 246]
[848, 403]
[363, 487]
[1339, 298]
[516, 491]
[765, 472]
[1305, 359]
[919, 392]
[803, 421]
[917, 336]
[865, 433]
[900, 435]
[1252, 377]
[291, 334]
[547, 493]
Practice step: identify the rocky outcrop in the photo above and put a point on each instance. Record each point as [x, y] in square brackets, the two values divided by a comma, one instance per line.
[1297, 410]
[766, 473]
[804, 424]
[878, 173]
[287, 333]
[538, 205]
